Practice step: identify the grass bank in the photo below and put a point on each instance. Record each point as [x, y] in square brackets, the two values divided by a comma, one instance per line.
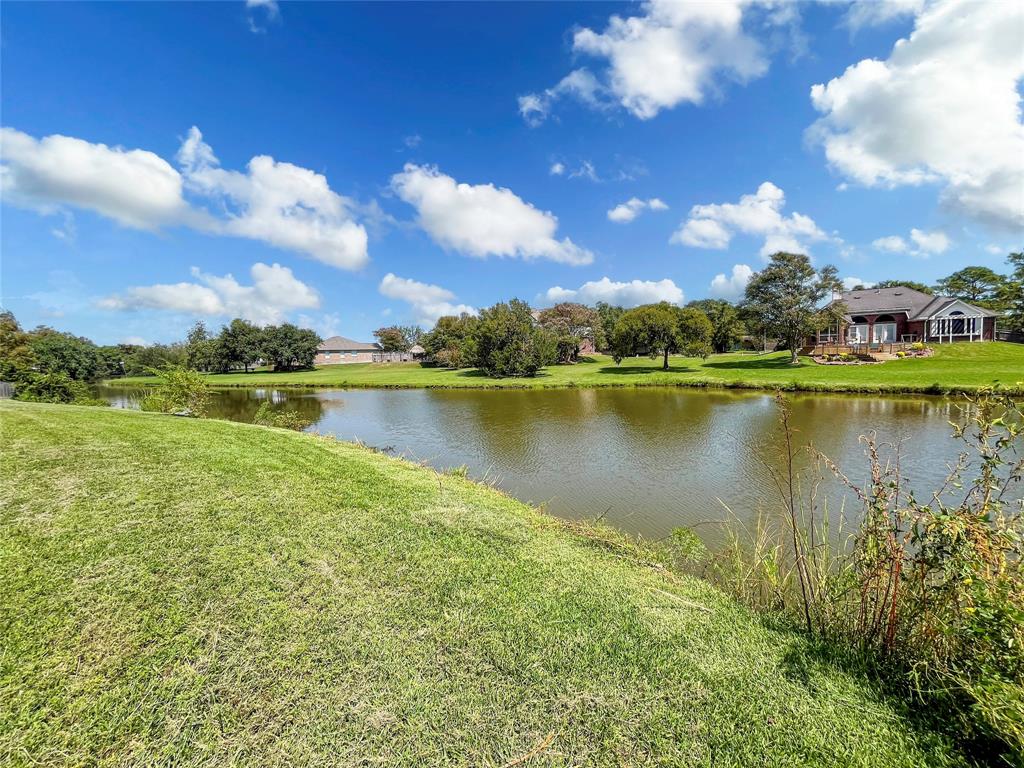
[205, 593]
[962, 367]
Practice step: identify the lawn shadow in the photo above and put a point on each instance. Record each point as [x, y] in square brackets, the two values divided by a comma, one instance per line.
[476, 373]
[612, 369]
[807, 661]
[756, 364]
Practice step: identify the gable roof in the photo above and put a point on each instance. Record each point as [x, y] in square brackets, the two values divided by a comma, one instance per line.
[340, 343]
[916, 305]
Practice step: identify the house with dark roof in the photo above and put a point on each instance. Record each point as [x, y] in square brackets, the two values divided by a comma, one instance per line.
[877, 316]
[337, 350]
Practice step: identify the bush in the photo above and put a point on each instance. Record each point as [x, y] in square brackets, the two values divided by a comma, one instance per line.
[55, 387]
[287, 419]
[930, 588]
[507, 343]
[181, 390]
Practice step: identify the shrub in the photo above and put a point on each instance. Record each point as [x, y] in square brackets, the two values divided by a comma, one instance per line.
[286, 419]
[918, 346]
[508, 343]
[181, 390]
[56, 387]
[930, 587]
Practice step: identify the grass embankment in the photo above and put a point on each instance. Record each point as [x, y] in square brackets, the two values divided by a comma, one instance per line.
[204, 592]
[953, 368]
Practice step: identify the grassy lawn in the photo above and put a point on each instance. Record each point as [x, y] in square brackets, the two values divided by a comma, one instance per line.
[960, 367]
[210, 593]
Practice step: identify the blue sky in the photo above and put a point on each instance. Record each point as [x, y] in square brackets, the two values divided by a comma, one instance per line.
[348, 166]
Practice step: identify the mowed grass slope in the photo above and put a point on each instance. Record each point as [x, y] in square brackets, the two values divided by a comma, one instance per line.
[210, 593]
[953, 367]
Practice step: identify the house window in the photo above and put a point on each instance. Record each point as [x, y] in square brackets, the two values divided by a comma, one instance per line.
[957, 323]
[857, 333]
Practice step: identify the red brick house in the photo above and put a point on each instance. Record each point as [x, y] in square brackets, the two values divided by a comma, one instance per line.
[887, 315]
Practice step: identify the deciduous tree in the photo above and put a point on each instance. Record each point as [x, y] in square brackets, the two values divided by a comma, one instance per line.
[571, 323]
[508, 343]
[786, 298]
[725, 320]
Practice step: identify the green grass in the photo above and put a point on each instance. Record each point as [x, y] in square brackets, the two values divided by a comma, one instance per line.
[953, 367]
[182, 592]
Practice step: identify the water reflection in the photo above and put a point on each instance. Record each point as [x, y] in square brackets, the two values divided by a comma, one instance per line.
[649, 459]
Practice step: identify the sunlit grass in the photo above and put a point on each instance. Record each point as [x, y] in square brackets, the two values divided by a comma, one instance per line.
[953, 367]
[183, 592]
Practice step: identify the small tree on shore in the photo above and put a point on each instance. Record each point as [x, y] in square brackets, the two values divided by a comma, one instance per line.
[392, 339]
[650, 329]
[786, 298]
[725, 319]
[571, 323]
[508, 343]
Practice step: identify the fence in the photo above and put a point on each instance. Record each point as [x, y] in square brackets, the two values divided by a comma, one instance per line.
[6, 390]
[1017, 337]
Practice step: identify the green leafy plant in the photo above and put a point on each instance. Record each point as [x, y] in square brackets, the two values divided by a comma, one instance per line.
[267, 416]
[55, 387]
[181, 390]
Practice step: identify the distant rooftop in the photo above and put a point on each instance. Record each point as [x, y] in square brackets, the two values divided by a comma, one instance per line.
[341, 344]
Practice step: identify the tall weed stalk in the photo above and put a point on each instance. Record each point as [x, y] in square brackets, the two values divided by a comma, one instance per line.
[930, 587]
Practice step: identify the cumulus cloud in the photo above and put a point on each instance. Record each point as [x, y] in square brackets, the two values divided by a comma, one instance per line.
[428, 302]
[482, 220]
[274, 292]
[277, 203]
[557, 169]
[849, 283]
[760, 215]
[134, 187]
[891, 244]
[731, 287]
[930, 242]
[629, 210]
[944, 108]
[924, 244]
[873, 13]
[631, 294]
[669, 54]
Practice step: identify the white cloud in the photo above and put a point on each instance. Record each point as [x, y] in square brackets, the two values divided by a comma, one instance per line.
[428, 302]
[713, 226]
[280, 204]
[943, 108]
[585, 171]
[136, 341]
[996, 250]
[134, 187]
[557, 169]
[849, 283]
[262, 13]
[412, 141]
[927, 243]
[732, 286]
[873, 13]
[631, 294]
[891, 244]
[669, 54]
[930, 242]
[580, 84]
[483, 220]
[274, 291]
[629, 210]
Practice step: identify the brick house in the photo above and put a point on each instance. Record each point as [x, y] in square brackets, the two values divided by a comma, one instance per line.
[888, 315]
[338, 350]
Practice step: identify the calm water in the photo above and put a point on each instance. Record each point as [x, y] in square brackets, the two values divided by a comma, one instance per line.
[648, 459]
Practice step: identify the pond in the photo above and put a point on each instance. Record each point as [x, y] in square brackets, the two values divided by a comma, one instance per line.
[646, 459]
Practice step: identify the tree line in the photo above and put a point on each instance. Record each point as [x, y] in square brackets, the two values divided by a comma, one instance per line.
[241, 344]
